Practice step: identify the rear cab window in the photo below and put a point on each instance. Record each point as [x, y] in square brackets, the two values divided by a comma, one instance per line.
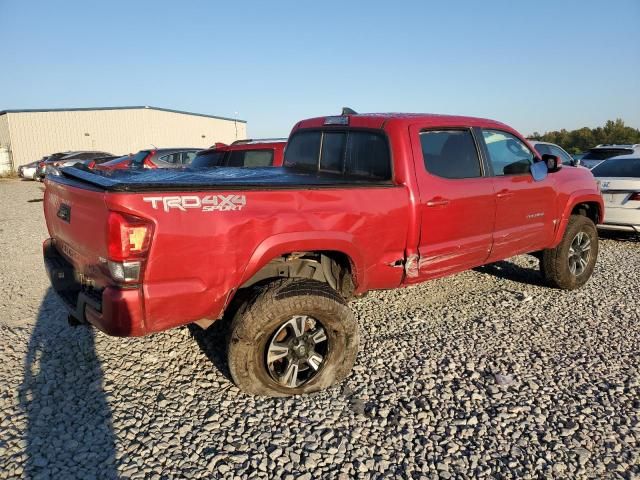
[350, 153]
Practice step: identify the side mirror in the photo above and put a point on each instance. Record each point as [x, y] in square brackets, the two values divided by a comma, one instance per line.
[553, 162]
[539, 171]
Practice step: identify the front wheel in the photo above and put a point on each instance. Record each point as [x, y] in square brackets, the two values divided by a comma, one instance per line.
[295, 336]
[571, 263]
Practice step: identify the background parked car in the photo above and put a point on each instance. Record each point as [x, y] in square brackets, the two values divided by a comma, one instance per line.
[619, 179]
[65, 159]
[153, 158]
[28, 171]
[553, 149]
[600, 153]
[99, 160]
[266, 152]
[577, 157]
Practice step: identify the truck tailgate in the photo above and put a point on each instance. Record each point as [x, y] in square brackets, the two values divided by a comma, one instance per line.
[76, 217]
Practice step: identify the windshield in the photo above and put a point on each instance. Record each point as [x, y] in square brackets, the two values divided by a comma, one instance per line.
[604, 153]
[618, 167]
[208, 159]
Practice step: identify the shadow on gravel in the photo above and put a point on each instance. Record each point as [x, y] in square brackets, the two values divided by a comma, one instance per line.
[35, 200]
[213, 343]
[213, 340]
[511, 271]
[619, 236]
[69, 431]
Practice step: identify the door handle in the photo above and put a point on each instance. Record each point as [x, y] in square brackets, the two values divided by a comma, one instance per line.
[504, 193]
[437, 202]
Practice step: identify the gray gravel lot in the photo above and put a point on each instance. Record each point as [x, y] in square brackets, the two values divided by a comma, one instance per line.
[484, 374]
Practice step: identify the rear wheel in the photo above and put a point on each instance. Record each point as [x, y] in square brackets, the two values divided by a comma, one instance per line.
[293, 337]
[571, 263]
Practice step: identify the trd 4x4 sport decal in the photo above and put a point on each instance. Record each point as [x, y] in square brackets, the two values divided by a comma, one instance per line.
[208, 203]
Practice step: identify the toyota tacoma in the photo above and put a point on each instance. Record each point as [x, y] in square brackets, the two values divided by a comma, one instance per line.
[363, 202]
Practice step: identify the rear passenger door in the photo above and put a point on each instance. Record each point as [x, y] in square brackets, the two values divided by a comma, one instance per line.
[525, 208]
[457, 202]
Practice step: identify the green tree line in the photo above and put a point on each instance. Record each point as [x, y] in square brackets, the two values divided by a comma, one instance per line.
[580, 140]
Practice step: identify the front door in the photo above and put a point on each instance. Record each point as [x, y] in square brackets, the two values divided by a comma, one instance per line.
[525, 208]
[457, 202]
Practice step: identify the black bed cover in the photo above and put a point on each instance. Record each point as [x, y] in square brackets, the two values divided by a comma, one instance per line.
[228, 178]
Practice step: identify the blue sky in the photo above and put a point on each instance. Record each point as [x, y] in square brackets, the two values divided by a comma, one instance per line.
[540, 65]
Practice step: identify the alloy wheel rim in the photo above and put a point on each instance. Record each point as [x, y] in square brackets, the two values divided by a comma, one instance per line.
[579, 253]
[297, 350]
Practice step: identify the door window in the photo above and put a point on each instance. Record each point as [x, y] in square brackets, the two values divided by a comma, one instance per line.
[564, 156]
[543, 149]
[172, 158]
[450, 153]
[187, 157]
[508, 155]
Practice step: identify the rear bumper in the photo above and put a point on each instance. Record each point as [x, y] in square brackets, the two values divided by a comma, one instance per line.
[617, 218]
[619, 227]
[113, 310]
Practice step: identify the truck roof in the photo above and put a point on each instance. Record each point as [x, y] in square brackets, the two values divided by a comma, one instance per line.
[378, 120]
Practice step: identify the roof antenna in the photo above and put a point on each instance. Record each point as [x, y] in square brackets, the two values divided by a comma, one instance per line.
[348, 111]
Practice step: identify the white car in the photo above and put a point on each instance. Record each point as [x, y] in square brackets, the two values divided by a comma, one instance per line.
[619, 180]
[28, 171]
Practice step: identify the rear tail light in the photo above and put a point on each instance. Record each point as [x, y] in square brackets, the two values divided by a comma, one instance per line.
[91, 164]
[635, 196]
[128, 239]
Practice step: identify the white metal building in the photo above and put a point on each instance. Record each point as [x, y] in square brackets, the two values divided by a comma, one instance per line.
[31, 134]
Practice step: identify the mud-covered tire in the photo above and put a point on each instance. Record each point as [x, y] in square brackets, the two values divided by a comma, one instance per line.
[255, 323]
[555, 263]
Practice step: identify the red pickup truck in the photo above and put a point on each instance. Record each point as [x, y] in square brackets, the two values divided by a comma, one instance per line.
[363, 202]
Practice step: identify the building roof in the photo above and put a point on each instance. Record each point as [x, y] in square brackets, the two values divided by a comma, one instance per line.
[2, 112]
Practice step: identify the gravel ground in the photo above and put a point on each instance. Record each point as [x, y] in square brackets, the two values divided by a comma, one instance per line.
[484, 374]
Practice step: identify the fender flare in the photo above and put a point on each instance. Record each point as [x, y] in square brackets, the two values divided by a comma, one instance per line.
[283, 243]
[577, 197]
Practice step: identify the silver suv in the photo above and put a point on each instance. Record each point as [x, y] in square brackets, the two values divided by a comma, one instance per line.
[600, 153]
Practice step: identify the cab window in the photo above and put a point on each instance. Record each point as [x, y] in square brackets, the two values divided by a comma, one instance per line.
[508, 155]
[450, 154]
[357, 154]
